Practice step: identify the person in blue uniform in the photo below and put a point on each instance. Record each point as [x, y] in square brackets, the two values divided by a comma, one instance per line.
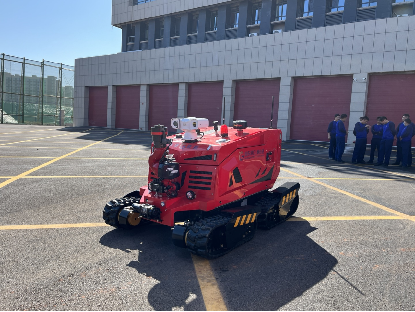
[386, 143]
[340, 138]
[361, 129]
[377, 131]
[399, 130]
[405, 137]
[332, 136]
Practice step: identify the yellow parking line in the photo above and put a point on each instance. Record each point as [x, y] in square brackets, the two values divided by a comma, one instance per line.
[50, 226]
[405, 216]
[63, 177]
[51, 162]
[347, 218]
[55, 136]
[26, 131]
[296, 219]
[208, 285]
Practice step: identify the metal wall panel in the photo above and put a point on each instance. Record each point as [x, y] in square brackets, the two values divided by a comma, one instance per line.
[127, 107]
[98, 101]
[205, 101]
[253, 102]
[163, 104]
[315, 101]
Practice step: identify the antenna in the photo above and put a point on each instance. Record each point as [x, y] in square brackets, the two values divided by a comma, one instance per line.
[223, 111]
[272, 112]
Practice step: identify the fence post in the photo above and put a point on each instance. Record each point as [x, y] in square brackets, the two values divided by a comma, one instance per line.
[60, 97]
[23, 79]
[2, 86]
[42, 89]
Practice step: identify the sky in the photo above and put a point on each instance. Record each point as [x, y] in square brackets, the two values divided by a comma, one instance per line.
[56, 30]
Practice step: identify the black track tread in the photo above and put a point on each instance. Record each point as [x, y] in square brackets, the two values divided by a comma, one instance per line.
[198, 234]
[112, 208]
[269, 202]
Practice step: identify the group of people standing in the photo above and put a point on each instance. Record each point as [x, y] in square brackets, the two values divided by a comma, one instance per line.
[384, 132]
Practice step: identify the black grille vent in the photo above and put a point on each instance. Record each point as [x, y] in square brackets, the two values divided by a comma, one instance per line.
[200, 180]
[204, 157]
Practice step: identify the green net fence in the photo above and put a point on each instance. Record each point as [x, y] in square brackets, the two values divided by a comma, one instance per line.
[33, 92]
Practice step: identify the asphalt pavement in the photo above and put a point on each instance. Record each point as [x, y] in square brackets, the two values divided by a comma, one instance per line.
[350, 246]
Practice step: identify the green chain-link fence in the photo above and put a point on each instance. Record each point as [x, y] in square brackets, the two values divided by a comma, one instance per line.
[34, 92]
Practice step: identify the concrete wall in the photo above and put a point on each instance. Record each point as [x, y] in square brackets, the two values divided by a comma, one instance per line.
[358, 49]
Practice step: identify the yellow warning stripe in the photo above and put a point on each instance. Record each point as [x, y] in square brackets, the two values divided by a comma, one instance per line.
[237, 221]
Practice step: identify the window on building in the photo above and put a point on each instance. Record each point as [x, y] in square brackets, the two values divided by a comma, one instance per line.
[212, 21]
[401, 1]
[281, 10]
[336, 5]
[307, 8]
[232, 20]
[160, 29]
[144, 32]
[175, 26]
[367, 3]
[194, 23]
[256, 13]
[135, 2]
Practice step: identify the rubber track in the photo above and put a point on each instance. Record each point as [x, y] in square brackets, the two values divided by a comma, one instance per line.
[269, 201]
[112, 208]
[197, 237]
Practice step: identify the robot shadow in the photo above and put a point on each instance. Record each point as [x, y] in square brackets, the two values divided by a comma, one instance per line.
[267, 273]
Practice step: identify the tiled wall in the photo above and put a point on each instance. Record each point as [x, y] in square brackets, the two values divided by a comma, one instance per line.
[383, 45]
[122, 12]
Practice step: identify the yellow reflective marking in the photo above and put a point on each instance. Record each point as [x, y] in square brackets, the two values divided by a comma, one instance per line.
[295, 191]
[283, 200]
[253, 218]
[249, 218]
[354, 196]
[51, 162]
[237, 221]
[243, 219]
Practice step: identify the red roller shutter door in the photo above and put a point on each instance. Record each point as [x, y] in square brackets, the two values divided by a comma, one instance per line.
[163, 105]
[391, 95]
[97, 111]
[205, 101]
[253, 102]
[315, 101]
[127, 107]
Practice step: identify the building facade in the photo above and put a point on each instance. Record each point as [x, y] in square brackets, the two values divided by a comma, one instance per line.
[232, 59]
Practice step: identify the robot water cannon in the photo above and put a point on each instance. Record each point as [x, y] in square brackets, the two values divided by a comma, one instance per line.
[189, 125]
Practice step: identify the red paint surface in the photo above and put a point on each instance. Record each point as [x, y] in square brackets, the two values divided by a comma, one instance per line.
[163, 105]
[315, 102]
[128, 107]
[205, 101]
[391, 96]
[97, 111]
[253, 102]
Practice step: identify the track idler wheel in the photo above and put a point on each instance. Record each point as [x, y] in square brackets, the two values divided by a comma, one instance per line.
[118, 213]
